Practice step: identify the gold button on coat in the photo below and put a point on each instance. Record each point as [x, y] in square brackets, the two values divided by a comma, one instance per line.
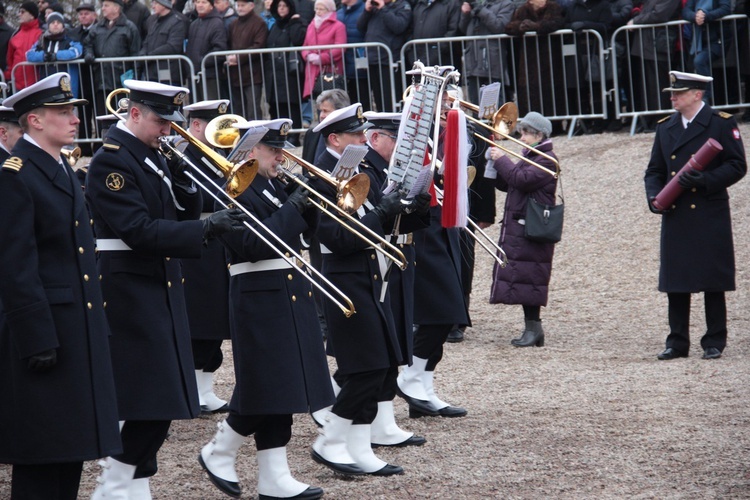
[289, 277]
[89, 305]
[85, 277]
[294, 298]
[80, 249]
[169, 284]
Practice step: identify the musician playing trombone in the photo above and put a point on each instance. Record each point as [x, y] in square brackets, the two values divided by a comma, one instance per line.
[365, 345]
[279, 361]
[146, 218]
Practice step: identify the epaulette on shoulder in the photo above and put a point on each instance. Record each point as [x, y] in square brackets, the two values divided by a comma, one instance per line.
[13, 164]
[725, 115]
[110, 147]
[664, 119]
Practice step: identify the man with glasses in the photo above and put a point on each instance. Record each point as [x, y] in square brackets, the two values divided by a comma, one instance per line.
[697, 250]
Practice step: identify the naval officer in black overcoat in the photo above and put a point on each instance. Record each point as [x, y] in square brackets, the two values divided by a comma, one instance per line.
[56, 383]
[365, 344]
[697, 251]
[279, 362]
[146, 219]
[206, 279]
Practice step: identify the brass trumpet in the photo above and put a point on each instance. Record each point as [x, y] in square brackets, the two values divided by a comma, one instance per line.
[239, 177]
[377, 242]
[71, 154]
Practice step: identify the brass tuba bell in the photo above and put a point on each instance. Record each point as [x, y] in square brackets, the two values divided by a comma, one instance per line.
[220, 132]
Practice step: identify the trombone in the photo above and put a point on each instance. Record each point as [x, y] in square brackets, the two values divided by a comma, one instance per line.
[350, 194]
[347, 309]
[378, 242]
[72, 155]
[239, 177]
[503, 122]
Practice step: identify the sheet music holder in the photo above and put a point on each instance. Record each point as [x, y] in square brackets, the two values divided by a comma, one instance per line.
[247, 142]
[488, 97]
[347, 165]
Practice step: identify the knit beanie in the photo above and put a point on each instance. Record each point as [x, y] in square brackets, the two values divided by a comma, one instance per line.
[55, 16]
[328, 4]
[31, 8]
[537, 122]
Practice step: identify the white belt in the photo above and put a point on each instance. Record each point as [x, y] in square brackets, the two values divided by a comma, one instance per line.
[324, 249]
[109, 245]
[261, 265]
[404, 239]
[206, 215]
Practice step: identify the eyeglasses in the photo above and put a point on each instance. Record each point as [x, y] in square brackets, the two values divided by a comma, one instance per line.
[388, 135]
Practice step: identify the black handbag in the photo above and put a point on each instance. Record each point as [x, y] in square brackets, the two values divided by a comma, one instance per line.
[544, 223]
[327, 81]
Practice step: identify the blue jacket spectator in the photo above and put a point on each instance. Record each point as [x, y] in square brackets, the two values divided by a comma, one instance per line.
[55, 45]
[707, 34]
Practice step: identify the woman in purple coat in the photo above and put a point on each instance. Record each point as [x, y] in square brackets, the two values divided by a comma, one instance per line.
[525, 279]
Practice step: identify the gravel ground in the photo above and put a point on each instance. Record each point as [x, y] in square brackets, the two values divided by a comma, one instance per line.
[593, 414]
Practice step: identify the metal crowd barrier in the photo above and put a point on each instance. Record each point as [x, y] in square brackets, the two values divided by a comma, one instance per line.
[95, 81]
[262, 83]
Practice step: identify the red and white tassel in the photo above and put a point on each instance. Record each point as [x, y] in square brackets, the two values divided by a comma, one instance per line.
[455, 168]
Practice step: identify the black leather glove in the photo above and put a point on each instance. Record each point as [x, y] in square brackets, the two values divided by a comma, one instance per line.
[49, 57]
[43, 361]
[390, 206]
[89, 58]
[577, 25]
[178, 168]
[223, 221]
[421, 203]
[692, 179]
[300, 199]
[653, 208]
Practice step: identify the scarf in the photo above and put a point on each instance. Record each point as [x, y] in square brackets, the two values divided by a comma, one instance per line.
[318, 20]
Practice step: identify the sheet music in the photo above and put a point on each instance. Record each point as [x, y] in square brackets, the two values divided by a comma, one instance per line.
[241, 151]
[489, 95]
[347, 165]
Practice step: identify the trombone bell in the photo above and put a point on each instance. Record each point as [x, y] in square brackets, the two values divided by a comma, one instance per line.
[72, 155]
[221, 132]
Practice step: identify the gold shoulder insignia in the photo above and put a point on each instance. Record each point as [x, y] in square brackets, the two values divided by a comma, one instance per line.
[725, 115]
[664, 119]
[13, 164]
[113, 147]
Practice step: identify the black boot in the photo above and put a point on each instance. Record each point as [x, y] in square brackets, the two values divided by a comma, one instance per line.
[532, 336]
[456, 334]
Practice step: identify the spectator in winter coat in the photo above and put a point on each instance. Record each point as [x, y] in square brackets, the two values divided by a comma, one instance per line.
[267, 15]
[707, 34]
[22, 40]
[207, 34]
[86, 20]
[386, 22]
[138, 13]
[324, 29]
[56, 45]
[113, 36]
[166, 36]
[225, 10]
[5, 33]
[248, 31]
[356, 79]
[434, 19]
[486, 61]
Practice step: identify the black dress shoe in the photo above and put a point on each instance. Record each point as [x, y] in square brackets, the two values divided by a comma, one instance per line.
[671, 353]
[418, 407]
[456, 335]
[311, 493]
[388, 470]
[452, 412]
[711, 353]
[230, 488]
[412, 441]
[223, 409]
[345, 469]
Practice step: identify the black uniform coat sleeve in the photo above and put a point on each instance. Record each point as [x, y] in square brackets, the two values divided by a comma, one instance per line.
[279, 362]
[366, 340]
[697, 252]
[50, 297]
[144, 287]
[206, 279]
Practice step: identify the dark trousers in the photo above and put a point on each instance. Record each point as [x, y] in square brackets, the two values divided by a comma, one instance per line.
[679, 321]
[358, 399]
[46, 481]
[207, 355]
[141, 440]
[380, 81]
[269, 431]
[387, 391]
[428, 343]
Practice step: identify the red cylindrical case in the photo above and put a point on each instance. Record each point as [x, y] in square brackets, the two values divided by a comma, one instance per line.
[698, 161]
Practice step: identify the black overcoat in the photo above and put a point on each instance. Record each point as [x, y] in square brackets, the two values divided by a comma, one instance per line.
[144, 288]
[697, 252]
[50, 297]
[366, 340]
[206, 279]
[438, 293]
[279, 361]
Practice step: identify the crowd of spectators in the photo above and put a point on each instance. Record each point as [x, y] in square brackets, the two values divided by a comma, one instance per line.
[535, 71]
